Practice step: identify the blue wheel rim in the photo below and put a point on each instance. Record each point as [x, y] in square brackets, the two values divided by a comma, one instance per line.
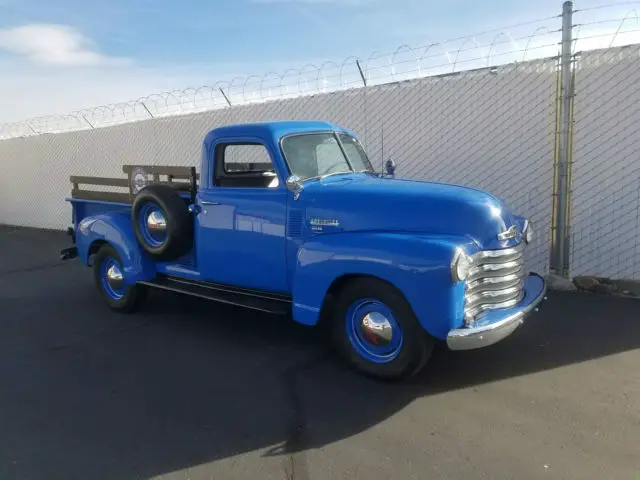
[366, 344]
[151, 238]
[108, 264]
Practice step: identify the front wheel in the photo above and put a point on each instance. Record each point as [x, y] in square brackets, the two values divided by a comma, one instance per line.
[375, 330]
[108, 276]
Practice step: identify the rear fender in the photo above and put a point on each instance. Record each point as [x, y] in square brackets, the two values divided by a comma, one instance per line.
[115, 228]
[419, 265]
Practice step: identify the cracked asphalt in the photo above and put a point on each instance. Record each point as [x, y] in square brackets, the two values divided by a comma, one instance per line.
[189, 389]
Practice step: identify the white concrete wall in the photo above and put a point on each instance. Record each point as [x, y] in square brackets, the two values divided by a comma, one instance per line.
[489, 129]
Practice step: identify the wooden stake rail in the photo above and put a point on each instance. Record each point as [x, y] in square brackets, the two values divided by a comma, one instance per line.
[180, 178]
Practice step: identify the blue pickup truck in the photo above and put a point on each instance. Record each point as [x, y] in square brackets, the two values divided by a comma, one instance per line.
[291, 218]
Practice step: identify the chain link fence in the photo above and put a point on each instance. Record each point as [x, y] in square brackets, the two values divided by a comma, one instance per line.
[493, 126]
[466, 128]
[605, 220]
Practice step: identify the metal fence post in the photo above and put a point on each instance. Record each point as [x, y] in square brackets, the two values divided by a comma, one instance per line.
[560, 257]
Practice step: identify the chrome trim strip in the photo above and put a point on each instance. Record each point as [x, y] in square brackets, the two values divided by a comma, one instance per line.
[454, 263]
[493, 296]
[515, 257]
[492, 270]
[494, 293]
[492, 267]
[478, 337]
[499, 253]
[490, 297]
[511, 232]
[494, 283]
[475, 311]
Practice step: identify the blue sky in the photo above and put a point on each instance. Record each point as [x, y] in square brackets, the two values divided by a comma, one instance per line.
[261, 31]
[56, 56]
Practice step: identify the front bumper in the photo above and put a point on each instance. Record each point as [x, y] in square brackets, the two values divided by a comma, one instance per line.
[498, 324]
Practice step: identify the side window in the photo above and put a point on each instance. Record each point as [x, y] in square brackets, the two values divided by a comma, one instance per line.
[245, 157]
[244, 165]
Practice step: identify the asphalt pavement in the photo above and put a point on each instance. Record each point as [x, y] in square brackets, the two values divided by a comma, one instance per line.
[189, 389]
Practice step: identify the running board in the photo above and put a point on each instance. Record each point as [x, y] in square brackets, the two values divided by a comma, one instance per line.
[243, 297]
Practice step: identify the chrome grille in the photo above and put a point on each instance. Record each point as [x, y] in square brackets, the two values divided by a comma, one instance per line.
[495, 280]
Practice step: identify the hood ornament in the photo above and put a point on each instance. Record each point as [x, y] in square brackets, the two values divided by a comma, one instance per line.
[511, 232]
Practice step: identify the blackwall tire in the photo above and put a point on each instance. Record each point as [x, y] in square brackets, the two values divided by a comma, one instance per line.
[162, 223]
[399, 351]
[107, 274]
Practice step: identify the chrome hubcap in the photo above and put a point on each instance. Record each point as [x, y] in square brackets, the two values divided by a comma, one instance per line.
[114, 277]
[156, 223]
[376, 328]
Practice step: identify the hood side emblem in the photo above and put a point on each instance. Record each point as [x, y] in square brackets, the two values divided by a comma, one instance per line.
[318, 224]
[510, 233]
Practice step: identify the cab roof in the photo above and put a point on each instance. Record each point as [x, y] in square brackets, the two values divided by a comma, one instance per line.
[271, 130]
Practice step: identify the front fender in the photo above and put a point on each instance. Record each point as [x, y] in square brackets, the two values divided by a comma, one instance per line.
[115, 228]
[417, 264]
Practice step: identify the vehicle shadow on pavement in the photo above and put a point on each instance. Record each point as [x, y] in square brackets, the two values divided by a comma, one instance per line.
[326, 402]
[86, 393]
[571, 328]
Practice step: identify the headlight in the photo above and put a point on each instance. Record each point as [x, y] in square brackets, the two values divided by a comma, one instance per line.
[460, 266]
[528, 232]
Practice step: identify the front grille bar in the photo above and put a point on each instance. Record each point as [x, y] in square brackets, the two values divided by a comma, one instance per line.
[495, 280]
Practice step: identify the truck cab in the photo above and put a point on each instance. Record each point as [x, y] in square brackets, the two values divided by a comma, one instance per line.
[291, 218]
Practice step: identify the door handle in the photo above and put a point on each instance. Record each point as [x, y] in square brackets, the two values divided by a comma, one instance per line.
[204, 202]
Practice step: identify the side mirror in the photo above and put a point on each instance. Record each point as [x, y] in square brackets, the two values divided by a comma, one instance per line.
[390, 167]
[294, 184]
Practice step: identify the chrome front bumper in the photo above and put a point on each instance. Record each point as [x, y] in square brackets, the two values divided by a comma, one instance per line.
[498, 324]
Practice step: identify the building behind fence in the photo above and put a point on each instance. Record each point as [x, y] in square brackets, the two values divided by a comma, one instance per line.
[499, 128]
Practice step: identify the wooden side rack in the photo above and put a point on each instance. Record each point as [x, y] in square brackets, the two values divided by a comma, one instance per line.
[183, 179]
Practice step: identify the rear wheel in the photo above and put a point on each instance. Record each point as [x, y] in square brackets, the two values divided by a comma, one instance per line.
[375, 330]
[108, 276]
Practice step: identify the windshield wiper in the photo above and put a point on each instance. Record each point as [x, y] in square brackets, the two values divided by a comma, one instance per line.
[334, 173]
[370, 172]
[320, 177]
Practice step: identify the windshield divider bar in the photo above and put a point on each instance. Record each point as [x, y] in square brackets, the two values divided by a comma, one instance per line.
[344, 152]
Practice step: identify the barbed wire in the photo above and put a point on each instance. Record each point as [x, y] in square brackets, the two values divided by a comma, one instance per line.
[467, 53]
[608, 5]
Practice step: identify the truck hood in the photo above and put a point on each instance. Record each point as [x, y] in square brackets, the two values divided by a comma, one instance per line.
[362, 202]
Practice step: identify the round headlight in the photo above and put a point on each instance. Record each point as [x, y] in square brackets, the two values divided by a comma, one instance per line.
[460, 266]
[528, 234]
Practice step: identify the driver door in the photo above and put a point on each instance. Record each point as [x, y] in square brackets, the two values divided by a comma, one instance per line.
[241, 235]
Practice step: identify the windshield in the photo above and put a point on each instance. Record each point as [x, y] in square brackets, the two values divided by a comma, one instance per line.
[318, 154]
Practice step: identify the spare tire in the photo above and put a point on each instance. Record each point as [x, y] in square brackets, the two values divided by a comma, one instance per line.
[162, 223]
